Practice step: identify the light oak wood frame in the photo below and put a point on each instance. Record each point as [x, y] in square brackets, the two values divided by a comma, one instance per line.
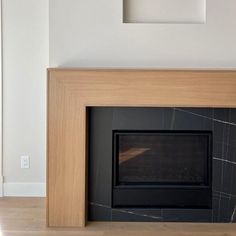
[71, 91]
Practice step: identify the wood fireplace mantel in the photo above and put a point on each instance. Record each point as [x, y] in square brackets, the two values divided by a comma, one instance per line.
[71, 91]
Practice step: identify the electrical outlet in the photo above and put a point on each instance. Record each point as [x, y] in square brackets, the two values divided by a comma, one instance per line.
[24, 162]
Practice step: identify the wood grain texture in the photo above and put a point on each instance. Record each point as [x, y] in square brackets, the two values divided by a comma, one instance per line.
[70, 91]
[26, 217]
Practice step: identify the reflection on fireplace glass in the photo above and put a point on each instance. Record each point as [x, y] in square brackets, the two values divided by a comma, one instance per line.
[161, 158]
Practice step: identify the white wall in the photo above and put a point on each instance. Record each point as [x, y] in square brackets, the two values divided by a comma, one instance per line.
[88, 34]
[1, 159]
[25, 59]
[91, 34]
[164, 11]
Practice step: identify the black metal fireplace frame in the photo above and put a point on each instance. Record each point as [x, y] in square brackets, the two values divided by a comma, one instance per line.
[161, 195]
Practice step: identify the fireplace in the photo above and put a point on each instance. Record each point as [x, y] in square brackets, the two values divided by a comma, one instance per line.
[162, 169]
[161, 164]
[77, 183]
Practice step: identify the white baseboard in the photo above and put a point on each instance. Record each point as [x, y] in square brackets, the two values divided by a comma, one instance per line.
[1, 186]
[24, 189]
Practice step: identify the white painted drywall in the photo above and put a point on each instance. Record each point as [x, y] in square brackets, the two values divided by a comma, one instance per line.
[91, 34]
[1, 158]
[25, 59]
[88, 34]
[164, 11]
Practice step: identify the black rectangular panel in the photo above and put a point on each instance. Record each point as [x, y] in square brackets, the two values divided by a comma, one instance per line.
[162, 168]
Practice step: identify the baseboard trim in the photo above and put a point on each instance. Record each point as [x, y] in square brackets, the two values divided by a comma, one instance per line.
[1, 186]
[24, 189]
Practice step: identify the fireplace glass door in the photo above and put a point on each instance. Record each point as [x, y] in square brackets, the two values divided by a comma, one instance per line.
[151, 166]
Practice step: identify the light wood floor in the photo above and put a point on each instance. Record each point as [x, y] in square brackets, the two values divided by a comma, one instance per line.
[26, 217]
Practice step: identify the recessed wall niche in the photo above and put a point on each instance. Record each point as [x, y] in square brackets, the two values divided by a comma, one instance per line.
[164, 11]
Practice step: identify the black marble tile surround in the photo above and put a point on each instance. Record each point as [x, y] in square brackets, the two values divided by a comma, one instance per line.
[222, 122]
